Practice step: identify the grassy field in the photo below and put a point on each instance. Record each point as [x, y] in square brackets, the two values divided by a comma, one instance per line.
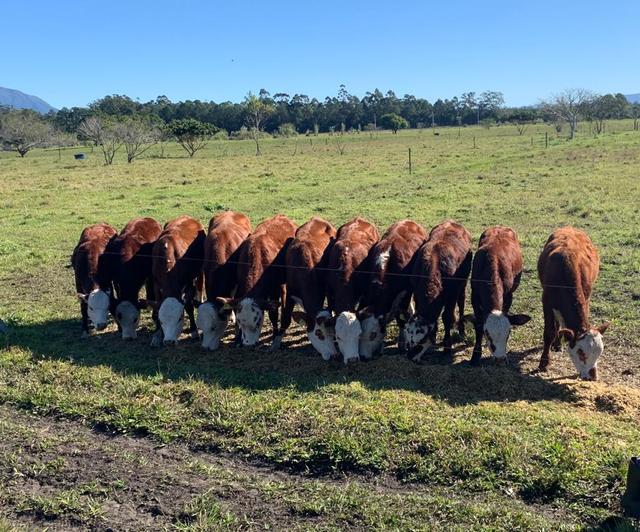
[244, 439]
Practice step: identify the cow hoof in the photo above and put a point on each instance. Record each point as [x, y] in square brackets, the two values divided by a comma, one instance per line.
[351, 361]
[417, 359]
[195, 335]
[85, 334]
[156, 342]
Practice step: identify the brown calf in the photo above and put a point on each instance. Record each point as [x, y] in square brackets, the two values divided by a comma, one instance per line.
[307, 260]
[568, 267]
[94, 303]
[262, 278]
[441, 268]
[389, 291]
[495, 276]
[227, 231]
[347, 282]
[177, 277]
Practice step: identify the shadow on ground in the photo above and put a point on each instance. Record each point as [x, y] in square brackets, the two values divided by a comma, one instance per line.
[450, 378]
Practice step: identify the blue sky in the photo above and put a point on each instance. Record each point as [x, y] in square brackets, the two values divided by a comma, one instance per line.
[71, 52]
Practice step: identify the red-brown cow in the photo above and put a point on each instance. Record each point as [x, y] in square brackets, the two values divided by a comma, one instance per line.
[441, 269]
[307, 259]
[177, 277]
[262, 278]
[347, 282]
[94, 303]
[568, 267]
[390, 288]
[126, 264]
[227, 231]
[495, 276]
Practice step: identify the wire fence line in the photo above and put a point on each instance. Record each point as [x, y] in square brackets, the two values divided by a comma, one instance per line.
[326, 269]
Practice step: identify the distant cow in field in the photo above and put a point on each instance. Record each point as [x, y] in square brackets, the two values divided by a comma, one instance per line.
[441, 268]
[94, 303]
[307, 259]
[347, 282]
[126, 265]
[177, 277]
[227, 231]
[262, 278]
[495, 276]
[389, 291]
[568, 267]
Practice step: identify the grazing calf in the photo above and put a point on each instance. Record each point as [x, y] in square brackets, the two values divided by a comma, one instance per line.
[227, 231]
[441, 269]
[568, 266]
[262, 278]
[126, 264]
[347, 282]
[307, 259]
[389, 292]
[177, 269]
[94, 303]
[495, 276]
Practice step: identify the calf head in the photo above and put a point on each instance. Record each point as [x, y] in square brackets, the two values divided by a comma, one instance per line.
[497, 328]
[171, 316]
[373, 332]
[128, 316]
[321, 331]
[249, 317]
[585, 350]
[212, 319]
[348, 331]
[98, 302]
[418, 336]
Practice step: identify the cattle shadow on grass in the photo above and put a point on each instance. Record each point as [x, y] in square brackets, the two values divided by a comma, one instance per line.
[297, 366]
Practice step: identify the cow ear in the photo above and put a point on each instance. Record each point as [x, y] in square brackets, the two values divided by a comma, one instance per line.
[519, 319]
[82, 297]
[330, 323]
[226, 303]
[196, 302]
[365, 313]
[267, 304]
[471, 318]
[300, 318]
[568, 335]
[602, 328]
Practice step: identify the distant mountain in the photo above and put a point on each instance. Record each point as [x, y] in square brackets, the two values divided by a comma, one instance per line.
[633, 98]
[20, 100]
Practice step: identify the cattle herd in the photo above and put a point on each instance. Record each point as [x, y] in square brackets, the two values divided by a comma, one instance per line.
[349, 284]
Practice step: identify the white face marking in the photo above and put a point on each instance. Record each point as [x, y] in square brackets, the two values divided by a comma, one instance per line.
[348, 331]
[382, 259]
[372, 337]
[212, 324]
[417, 337]
[171, 316]
[98, 308]
[249, 316]
[585, 354]
[128, 316]
[322, 337]
[497, 329]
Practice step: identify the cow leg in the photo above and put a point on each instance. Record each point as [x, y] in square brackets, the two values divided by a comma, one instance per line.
[190, 294]
[286, 316]
[477, 348]
[403, 311]
[461, 300]
[158, 336]
[550, 335]
[85, 319]
[448, 316]
[276, 338]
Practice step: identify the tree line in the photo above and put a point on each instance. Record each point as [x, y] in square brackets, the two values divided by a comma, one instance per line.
[118, 121]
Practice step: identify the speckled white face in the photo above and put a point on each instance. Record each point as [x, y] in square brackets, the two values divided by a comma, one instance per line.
[322, 336]
[213, 324]
[372, 337]
[348, 330]
[98, 308]
[128, 316]
[497, 329]
[585, 354]
[417, 337]
[249, 317]
[171, 316]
